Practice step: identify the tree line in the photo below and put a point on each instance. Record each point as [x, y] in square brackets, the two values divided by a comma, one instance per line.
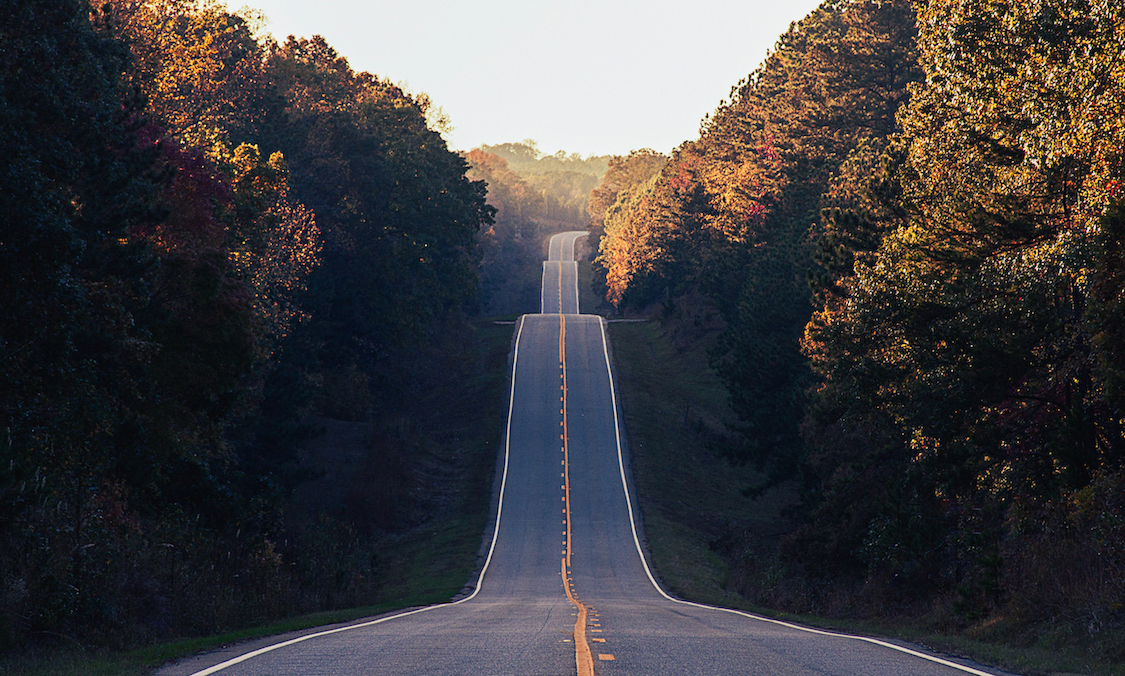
[909, 221]
[206, 236]
[534, 195]
[563, 179]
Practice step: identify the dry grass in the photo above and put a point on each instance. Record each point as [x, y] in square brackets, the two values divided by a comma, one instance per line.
[696, 519]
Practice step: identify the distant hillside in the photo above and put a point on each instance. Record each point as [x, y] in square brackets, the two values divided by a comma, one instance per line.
[526, 159]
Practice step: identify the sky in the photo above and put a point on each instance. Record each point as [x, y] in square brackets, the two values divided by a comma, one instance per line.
[593, 77]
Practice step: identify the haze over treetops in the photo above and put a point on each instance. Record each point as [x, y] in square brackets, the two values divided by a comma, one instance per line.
[899, 242]
[595, 77]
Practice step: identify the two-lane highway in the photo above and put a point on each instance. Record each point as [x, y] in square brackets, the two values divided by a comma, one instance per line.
[566, 588]
[559, 294]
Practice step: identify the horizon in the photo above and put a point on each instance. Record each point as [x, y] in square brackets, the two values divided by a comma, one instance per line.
[568, 76]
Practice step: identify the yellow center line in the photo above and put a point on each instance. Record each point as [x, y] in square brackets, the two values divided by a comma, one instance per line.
[583, 656]
[565, 440]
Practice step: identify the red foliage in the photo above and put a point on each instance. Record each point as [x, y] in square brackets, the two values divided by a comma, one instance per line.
[683, 178]
[767, 151]
[196, 193]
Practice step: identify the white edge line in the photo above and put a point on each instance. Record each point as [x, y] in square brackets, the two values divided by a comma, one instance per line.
[480, 579]
[543, 290]
[551, 244]
[577, 307]
[577, 310]
[644, 563]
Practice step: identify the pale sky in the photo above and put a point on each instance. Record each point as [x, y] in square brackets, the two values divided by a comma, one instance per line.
[595, 77]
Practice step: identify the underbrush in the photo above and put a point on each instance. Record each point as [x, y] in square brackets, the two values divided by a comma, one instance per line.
[698, 524]
[1055, 600]
[404, 491]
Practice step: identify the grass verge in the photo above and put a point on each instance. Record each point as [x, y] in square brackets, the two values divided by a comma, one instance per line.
[676, 414]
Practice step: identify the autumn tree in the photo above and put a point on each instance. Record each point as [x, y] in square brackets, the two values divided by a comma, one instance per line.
[623, 173]
[731, 214]
[961, 337]
[200, 68]
[173, 186]
[619, 219]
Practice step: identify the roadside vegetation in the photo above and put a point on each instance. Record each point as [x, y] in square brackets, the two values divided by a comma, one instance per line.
[243, 363]
[698, 525]
[444, 457]
[237, 287]
[711, 543]
[905, 229]
[248, 374]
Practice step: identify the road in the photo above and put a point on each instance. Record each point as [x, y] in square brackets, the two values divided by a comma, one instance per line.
[565, 562]
[559, 292]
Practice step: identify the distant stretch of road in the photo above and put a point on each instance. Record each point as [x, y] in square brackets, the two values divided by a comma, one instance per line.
[566, 588]
[559, 294]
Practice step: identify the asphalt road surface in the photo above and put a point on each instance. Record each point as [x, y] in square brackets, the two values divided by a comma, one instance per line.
[559, 292]
[565, 563]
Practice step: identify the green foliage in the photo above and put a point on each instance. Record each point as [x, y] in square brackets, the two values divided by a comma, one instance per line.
[392, 201]
[204, 237]
[911, 226]
[729, 215]
[77, 180]
[963, 331]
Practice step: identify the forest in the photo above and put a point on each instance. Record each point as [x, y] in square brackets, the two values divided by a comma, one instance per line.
[907, 226]
[904, 234]
[534, 195]
[207, 240]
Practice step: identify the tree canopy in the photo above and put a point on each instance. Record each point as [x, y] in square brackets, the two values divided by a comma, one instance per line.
[961, 342]
[206, 236]
[909, 219]
[728, 216]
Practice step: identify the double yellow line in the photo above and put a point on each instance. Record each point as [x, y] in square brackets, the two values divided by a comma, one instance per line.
[564, 435]
[560, 290]
[582, 655]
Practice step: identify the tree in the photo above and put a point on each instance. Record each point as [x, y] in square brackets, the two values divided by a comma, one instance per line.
[957, 340]
[200, 69]
[78, 179]
[396, 211]
[164, 309]
[622, 197]
[732, 215]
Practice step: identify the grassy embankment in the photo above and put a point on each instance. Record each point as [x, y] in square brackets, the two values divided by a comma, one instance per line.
[696, 520]
[453, 435]
[701, 530]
